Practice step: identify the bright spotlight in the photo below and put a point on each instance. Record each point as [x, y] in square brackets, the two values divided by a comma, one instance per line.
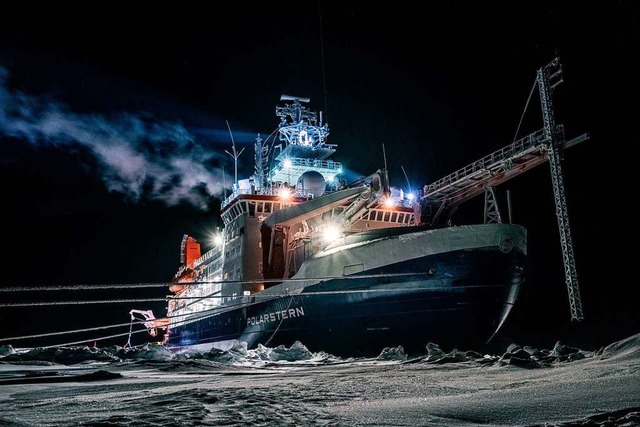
[331, 232]
[218, 239]
[287, 163]
[388, 202]
[284, 193]
[410, 196]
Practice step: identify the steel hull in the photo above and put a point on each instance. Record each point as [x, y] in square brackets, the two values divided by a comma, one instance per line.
[409, 295]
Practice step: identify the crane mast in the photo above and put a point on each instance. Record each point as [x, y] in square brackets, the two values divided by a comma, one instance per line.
[548, 77]
[441, 198]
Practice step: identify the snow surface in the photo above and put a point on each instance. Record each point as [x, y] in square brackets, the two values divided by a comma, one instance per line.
[150, 386]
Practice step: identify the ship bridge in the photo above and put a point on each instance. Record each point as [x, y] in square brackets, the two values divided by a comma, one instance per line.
[292, 168]
[304, 137]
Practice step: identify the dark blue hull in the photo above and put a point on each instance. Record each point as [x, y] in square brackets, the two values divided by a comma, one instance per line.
[459, 303]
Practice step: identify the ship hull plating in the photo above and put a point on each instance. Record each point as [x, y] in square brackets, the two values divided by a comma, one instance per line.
[456, 295]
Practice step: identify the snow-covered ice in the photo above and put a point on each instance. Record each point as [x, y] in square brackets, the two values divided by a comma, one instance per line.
[151, 386]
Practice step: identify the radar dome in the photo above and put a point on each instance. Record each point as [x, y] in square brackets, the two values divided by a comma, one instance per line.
[313, 182]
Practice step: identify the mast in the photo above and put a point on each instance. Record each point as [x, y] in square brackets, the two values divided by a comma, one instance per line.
[555, 140]
[235, 156]
[261, 157]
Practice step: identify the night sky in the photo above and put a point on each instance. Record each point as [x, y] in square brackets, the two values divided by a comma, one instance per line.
[113, 131]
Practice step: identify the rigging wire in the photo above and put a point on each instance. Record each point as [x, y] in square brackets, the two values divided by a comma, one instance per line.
[324, 76]
[406, 177]
[272, 148]
[120, 286]
[94, 339]
[77, 302]
[525, 110]
[207, 313]
[267, 296]
[82, 287]
[72, 331]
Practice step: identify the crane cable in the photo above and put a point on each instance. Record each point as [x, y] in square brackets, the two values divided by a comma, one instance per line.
[120, 286]
[525, 110]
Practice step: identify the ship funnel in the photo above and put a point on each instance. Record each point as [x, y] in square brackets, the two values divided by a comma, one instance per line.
[189, 251]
